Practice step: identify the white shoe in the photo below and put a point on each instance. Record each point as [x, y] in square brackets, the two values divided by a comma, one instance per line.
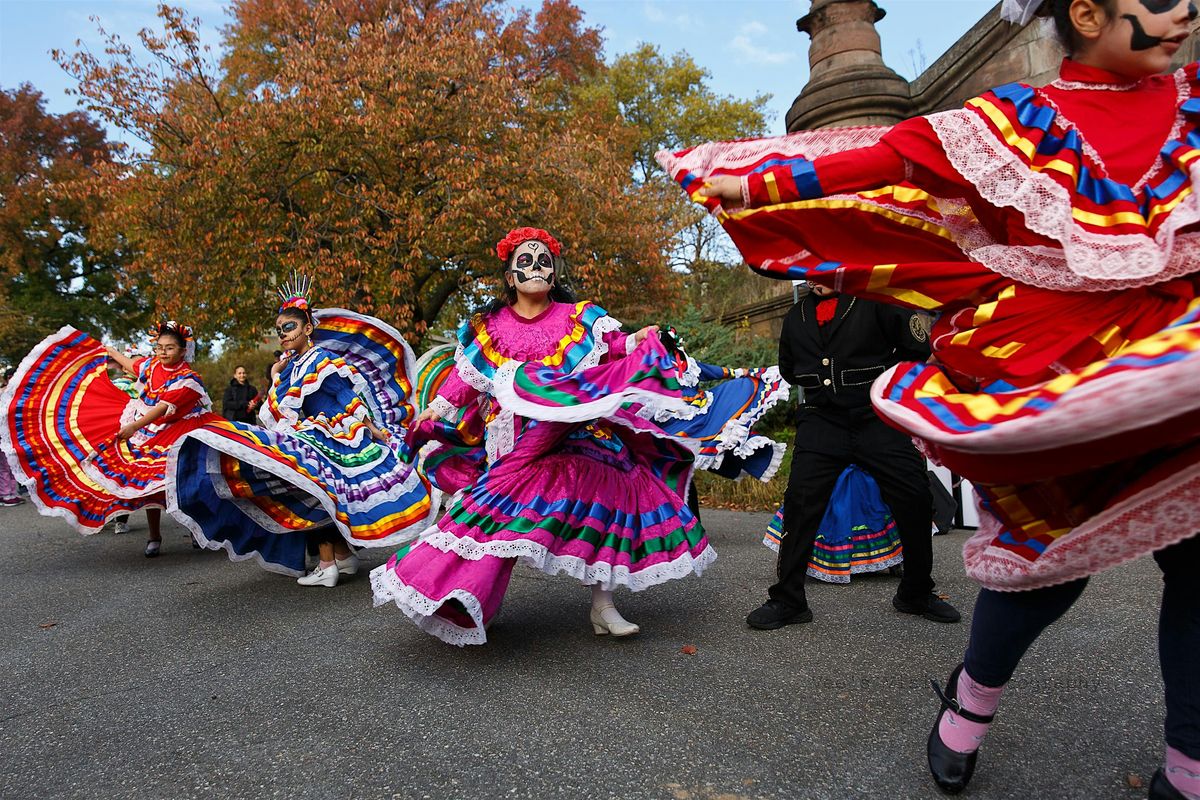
[327, 577]
[347, 565]
[120, 527]
[607, 620]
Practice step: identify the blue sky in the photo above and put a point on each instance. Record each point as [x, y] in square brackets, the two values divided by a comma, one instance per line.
[749, 46]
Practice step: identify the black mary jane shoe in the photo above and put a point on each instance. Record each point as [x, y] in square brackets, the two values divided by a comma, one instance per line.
[951, 769]
[1161, 788]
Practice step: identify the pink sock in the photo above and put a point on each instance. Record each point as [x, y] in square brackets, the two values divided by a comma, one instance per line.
[962, 735]
[1183, 773]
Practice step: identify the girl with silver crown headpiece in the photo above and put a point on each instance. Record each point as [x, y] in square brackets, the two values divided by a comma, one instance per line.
[113, 459]
[1055, 233]
[328, 467]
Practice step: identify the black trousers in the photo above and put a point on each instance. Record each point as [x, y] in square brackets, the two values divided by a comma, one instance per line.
[1005, 624]
[827, 442]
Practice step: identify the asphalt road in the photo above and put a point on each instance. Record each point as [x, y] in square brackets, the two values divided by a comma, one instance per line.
[192, 677]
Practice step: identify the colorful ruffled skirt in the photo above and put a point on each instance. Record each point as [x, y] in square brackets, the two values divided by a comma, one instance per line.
[259, 494]
[61, 417]
[599, 499]
[723, 425]
[856, 535]
[573, 499]
[1095, 464]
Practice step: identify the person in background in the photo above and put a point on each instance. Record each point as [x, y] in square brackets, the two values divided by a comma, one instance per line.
[833, 346]
[241, 398]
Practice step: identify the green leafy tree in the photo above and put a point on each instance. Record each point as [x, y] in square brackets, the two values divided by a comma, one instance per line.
[669, 104]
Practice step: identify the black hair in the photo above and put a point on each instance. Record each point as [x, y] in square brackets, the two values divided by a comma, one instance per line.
[560, 290]
[303, 315]
[174, 334]
[1060, 12]
[239, 366]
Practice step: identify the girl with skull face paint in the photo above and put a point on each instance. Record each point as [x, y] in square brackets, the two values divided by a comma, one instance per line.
[88, 451]
[575, 478]
[1053, 231]
[323, 470]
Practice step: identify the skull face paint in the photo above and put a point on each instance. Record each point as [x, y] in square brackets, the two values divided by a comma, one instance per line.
[1133, 39]
[1141, 40]
[532, 268]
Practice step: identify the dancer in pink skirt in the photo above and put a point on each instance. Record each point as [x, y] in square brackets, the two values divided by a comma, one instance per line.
[545, 430]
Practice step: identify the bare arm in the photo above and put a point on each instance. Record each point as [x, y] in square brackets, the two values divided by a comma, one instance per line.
[123, 361]
[130, 428]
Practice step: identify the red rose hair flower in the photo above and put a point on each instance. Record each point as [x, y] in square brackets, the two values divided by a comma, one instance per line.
[516, 236]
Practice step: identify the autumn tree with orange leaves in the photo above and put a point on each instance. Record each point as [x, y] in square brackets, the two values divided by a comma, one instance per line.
[381, 146]
[52, 272]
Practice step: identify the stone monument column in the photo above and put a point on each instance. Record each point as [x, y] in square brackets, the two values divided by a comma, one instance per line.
[848, 83]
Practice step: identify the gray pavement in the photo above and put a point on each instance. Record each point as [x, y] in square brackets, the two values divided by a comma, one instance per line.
[192, 677]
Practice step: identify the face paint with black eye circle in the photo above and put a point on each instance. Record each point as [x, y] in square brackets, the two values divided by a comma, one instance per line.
[532, 262]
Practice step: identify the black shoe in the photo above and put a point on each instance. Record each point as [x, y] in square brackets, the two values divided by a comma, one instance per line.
[775, 614]
[951, 770]
[1161, 788]
[934, 608]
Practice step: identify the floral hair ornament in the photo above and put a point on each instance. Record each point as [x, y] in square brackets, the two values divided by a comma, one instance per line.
[294, 293]
[1019, 11]
[171, 326]
[517, 236]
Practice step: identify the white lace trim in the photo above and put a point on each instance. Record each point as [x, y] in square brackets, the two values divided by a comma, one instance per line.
[704, 159]
[779, 449]
[691, 375]
[607, 576]
[1157, 517]
[500, 436]
[1072, 86]
[855, 569]
[387, 587]
[1090, 261]
[443, 408]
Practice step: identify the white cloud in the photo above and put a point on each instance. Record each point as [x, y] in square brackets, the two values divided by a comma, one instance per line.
[654, 13]
[750, 46]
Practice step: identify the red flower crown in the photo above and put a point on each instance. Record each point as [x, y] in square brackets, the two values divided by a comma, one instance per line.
[517, 236]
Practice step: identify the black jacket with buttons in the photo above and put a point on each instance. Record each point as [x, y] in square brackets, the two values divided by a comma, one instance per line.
[836, 363]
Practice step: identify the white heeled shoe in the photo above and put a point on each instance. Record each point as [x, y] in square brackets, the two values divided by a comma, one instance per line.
[348, 565]
[321, 576]
[607, 620]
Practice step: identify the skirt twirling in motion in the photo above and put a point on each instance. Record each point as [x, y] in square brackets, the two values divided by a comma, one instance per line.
[591, 489]
[259, 492]
[61, 414]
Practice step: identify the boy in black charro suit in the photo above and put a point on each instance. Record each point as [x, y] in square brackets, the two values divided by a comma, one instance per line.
[833, 346]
